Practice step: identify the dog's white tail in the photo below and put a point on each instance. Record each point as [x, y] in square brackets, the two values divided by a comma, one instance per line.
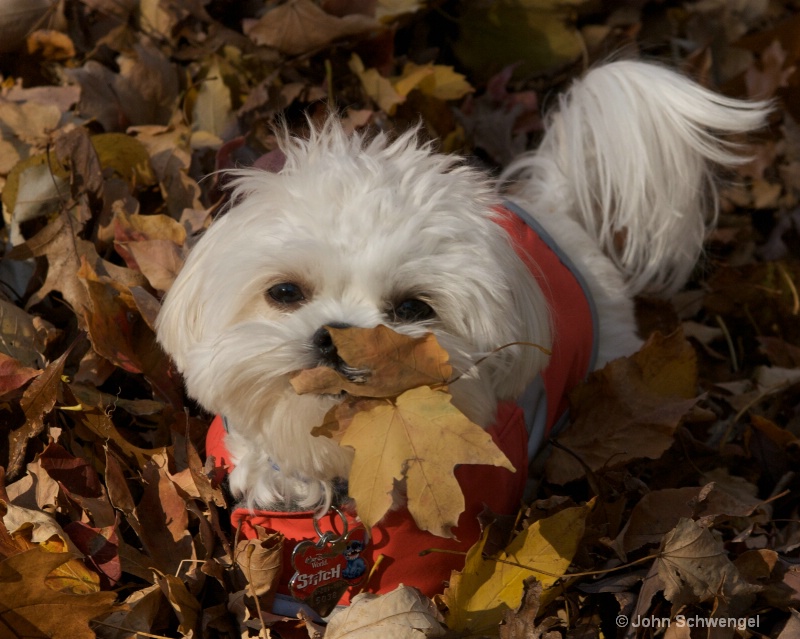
[633, 149]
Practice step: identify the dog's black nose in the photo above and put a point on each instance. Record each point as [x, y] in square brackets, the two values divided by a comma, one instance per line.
[323, 341]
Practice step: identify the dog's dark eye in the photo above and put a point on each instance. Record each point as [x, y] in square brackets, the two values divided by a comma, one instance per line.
[413, 310]
[286, 293]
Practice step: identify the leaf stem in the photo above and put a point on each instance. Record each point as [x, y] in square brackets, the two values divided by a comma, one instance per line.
[544, 350]
[586, 573]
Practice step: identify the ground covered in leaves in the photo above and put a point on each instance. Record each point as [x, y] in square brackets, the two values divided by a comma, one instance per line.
[672, 496]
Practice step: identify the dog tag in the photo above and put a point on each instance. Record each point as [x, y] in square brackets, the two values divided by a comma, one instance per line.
[326, 568]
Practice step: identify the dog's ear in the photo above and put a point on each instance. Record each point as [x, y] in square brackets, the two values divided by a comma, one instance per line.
[176, 325]
[188, 307]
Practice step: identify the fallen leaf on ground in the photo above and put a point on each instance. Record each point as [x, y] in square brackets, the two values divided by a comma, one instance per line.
[487, 588]
[521, 623]
[403, 613]
[628, 410]
[37, 401]
[695, 567]
[13, 374]
[31, 608]
[300, 26]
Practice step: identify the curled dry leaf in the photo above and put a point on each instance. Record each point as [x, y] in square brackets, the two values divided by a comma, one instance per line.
[403, 613]
[37, 400]
[261, 562]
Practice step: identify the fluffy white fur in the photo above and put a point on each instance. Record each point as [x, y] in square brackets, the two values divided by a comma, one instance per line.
[623, 180]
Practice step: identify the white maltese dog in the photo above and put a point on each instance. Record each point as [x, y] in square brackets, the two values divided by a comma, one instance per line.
[359, 231]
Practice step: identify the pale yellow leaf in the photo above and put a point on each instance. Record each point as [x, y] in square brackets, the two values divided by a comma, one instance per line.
[213, 106]
[444, 83]
[403, 613]
[380, 89]
[421, 437]
[413, 75]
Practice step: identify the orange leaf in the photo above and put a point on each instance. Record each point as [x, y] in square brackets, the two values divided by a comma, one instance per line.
[392, 363]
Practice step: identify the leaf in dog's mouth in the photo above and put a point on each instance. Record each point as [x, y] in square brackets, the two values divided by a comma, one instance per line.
[393, 419]
[378, 362]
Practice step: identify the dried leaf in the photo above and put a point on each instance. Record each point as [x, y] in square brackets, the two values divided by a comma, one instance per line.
[659, 511]
[261, 563]
[213, 105]
[380, 89]
[628, 410]
[392, 363]
[118, 333]
[300, 26]
[160, 261]
[13, 374]
[695, 568]
[22, 336]
[403, 613]
[185, 605]
[163, 518]
[435, 80]
[141, 609]
[51, 45]
[100, 547]
[521, 623]
[540, 34]
[31, 608]
[37, 401]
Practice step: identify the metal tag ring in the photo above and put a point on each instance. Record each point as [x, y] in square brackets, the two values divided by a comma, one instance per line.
[330, 536]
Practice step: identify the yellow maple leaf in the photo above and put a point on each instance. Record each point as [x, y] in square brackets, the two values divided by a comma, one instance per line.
[478, 596]
[436, 80]
[420, 437]
[411, 78]
[439, 81]
[377, 87]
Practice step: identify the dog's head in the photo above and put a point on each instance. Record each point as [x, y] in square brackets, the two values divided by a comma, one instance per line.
[351, 231]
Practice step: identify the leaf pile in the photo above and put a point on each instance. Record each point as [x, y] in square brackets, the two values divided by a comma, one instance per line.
[673, 492]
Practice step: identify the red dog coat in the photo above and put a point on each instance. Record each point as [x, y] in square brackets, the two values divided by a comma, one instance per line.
[519, 427]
